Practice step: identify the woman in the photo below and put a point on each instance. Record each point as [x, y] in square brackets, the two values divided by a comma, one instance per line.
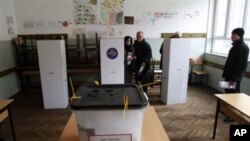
[128, 61]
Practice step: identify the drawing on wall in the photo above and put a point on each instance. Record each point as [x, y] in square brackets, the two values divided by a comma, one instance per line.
[128, 20]
[188, 15]
[119, 18]
[65, 23]
[158, 17]
[111, 12]
[94, 2]
[197, 13]
[85, 11]
[170, 14]
[53, 24]
[10, 25]
[39, 24]
[139, 21]
[28, 24]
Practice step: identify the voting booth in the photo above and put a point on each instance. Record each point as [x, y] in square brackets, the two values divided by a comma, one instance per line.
[175, 70]
[112, 60]
[53, 73]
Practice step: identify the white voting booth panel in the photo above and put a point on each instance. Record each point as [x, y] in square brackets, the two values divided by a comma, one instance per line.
[112, 61]
[175, 70]
[53, 72]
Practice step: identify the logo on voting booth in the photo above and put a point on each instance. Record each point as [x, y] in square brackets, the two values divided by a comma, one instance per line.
[239, 132]
[112, 53]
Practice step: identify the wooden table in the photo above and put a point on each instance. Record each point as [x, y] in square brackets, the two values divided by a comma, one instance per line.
[236, 106]
[5, 112]
[152, 129]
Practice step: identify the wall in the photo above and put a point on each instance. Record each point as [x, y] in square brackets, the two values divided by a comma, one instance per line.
[8, 83]
[215, 74]
[45, 16]
[183, 16]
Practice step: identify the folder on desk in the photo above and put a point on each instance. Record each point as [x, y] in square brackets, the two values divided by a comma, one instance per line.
[226, 85]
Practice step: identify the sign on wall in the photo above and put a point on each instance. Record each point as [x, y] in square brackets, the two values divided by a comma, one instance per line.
[112, 61]
[10, 25]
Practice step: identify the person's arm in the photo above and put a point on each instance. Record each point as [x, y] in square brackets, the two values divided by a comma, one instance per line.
[243, 61]
[161, 49]
[148, 56]
[134, 52]
[241, 66]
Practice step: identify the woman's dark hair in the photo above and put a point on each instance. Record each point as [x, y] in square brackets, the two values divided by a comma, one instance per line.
[126, 38]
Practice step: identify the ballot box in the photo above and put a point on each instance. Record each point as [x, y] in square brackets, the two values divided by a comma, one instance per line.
[109, 112]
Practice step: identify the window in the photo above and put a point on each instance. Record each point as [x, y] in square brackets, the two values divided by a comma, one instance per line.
[236, 13]
[247, 20]
[221, 16]
[229, 14]
[221, 46]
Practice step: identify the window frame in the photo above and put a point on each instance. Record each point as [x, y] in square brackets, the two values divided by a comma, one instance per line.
[227, 31]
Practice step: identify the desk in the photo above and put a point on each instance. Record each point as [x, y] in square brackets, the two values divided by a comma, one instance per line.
[236, 106]
[152, 129]
[6, 112]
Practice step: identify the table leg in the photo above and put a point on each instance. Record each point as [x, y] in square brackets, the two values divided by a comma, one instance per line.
[11, 124]
[216, 117]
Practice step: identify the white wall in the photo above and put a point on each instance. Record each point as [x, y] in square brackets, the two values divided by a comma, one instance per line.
[9, 83]
[60, 10]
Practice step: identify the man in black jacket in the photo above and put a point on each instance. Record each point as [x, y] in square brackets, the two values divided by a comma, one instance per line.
[142, 56]
[237, 60]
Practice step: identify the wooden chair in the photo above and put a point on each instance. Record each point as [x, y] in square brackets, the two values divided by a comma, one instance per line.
[157, 72]
[5, 112]
[92, 47]
[28, 49]
[18, 42]
[196, 69]
[75, 47]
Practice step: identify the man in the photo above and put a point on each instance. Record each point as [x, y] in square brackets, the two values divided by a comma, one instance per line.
[142, 57]
[236, 62]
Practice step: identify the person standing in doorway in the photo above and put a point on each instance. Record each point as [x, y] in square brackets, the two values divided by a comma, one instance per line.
[142, 57]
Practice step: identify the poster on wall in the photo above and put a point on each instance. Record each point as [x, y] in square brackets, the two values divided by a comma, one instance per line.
[10, 25]
[111, 12]
[128, 20]
[28, 24]
[85, 11]
[39, 24]
[53, 24]
[161, 16]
